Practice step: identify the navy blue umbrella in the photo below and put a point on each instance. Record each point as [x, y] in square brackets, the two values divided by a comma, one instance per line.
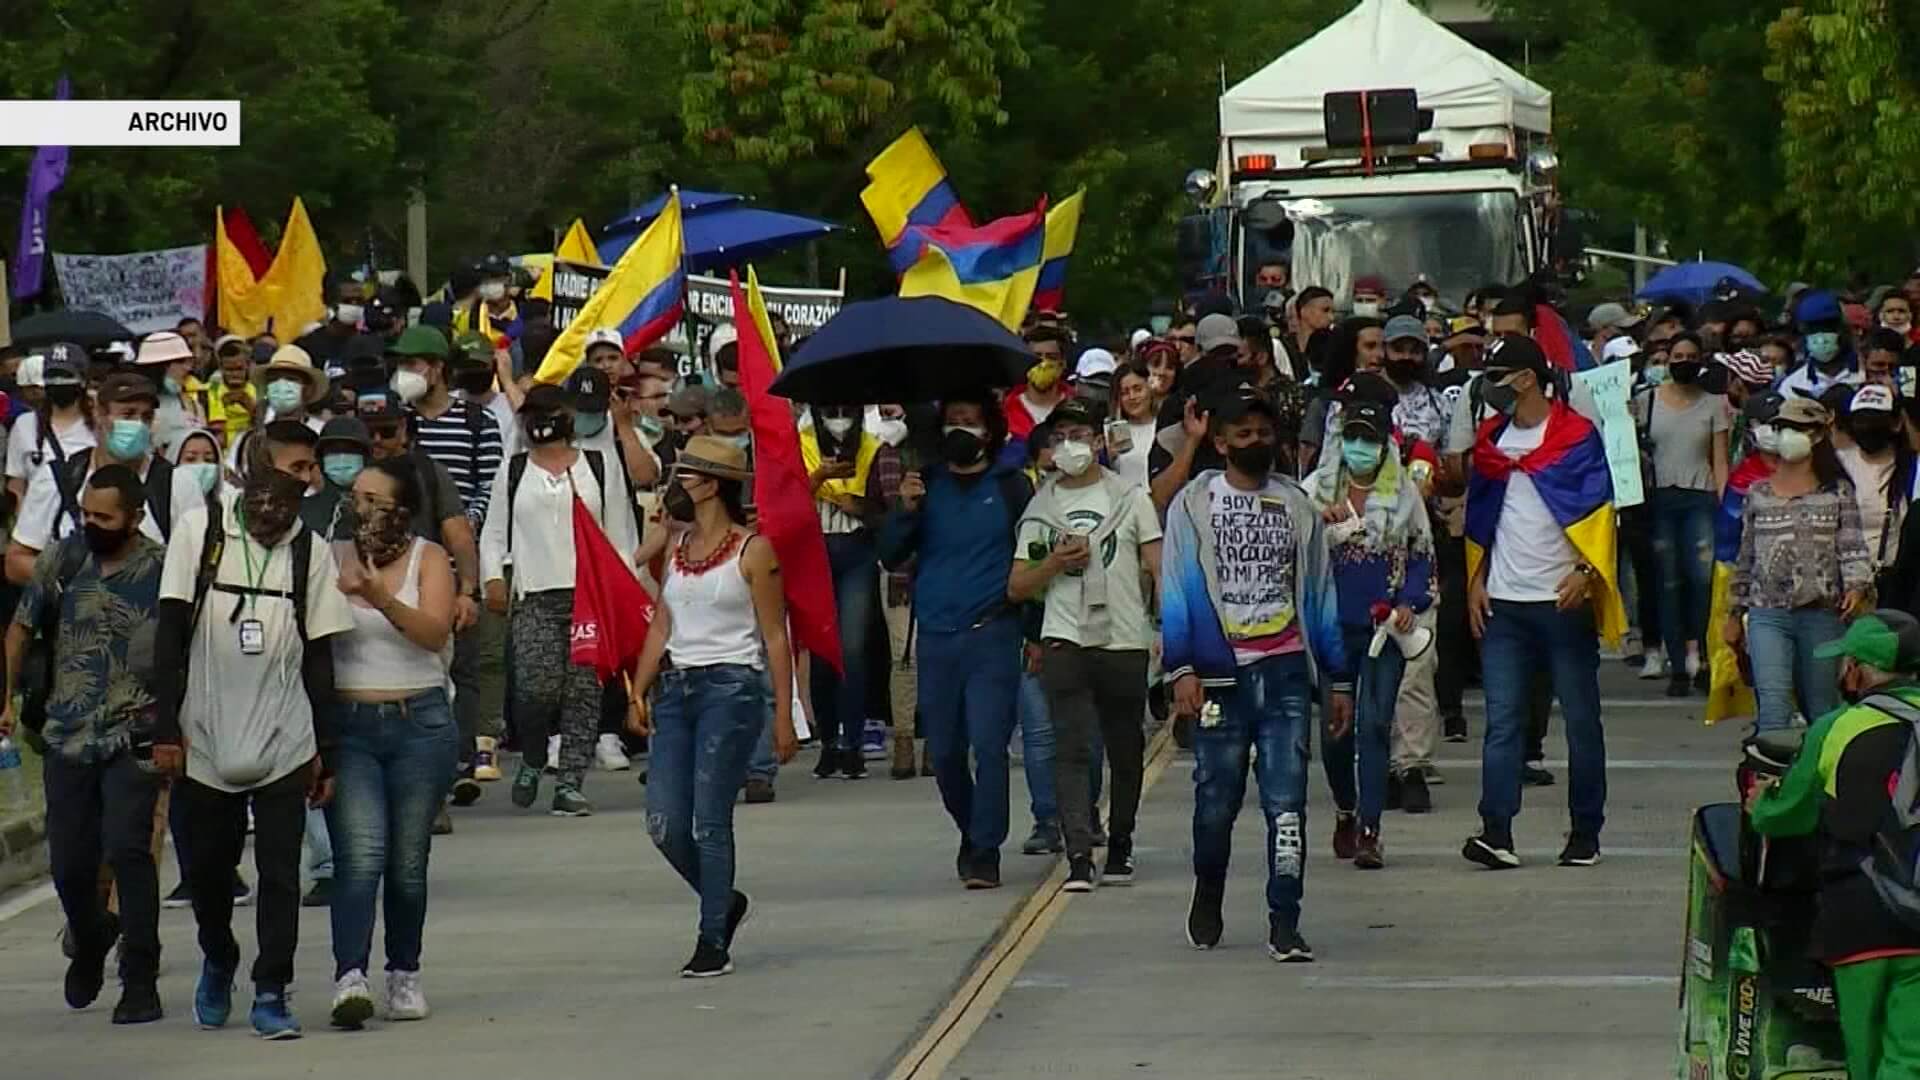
[721, 230]
[1696, 282]
[894, 350]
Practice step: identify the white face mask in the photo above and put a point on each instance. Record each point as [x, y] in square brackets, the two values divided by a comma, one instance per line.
[493, 290]
[1794, 445]
[1073, 457]
[891, 432]
[1766, 438]
[1897, 320]
[1366, 309]
[838, 426]
[349, 314]
[410, 385]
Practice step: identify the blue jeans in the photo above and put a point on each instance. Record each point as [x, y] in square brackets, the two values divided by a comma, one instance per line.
[319, 846]
[840, 701]
[705, 723]
[1266, 708]
[763, 765]
[1373, 703]
[1520, 639]
[1037, 753]
[969, 683]
[1683, 554]
[1780, 643]
[392, 768]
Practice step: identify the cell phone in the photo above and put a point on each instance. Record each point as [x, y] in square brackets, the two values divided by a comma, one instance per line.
[1119, 435]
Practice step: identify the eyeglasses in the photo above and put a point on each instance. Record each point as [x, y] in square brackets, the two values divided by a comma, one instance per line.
[1065, 435]
[384, 431]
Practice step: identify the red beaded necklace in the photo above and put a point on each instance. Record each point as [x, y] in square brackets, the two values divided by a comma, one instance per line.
[693, 568]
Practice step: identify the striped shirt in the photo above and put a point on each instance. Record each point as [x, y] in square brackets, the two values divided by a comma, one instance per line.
[469, 448]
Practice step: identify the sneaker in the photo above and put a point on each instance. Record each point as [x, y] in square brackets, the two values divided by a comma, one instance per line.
[828, 766]
[526, 786]
[1582, 849]
[1396, 794]
[320, 895]
[1044, 840]
[1204, 924]
[139, 1004]
[1693, 661]
[1432, 772]
[87, 971]
[1632, 653]
[873, 741]
[1534, 774]
[709, 961]
[242, 892]
[1286, 946]
[405, 1000]
[1655, 666]
[609, 755]
[1345, 836]
[352, 1001]
[1368, 854]
[180, 897]
[759, 790]
[1679, 685]
[1079, 874]
[212, 997]
[1454, 728]
[553, 754]
[983, 869]
[1414, 796]
[442, 823]
[1119, 868]
[467, 790]
[486, 766]
[853, 765]
[737, 915]
[568, 802]
[1491, 850]
[272, 1016]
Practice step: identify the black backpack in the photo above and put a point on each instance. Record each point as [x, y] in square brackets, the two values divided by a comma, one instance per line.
[214, 546]
[158, 482]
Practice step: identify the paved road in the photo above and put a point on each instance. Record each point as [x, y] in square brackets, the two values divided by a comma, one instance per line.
[552, 948]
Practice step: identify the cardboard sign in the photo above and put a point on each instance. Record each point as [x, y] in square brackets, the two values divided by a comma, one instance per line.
[1610, 385]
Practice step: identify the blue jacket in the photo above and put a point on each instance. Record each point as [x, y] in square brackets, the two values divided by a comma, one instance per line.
[963, 538]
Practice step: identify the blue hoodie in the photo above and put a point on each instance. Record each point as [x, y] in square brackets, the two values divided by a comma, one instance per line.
[963, 539]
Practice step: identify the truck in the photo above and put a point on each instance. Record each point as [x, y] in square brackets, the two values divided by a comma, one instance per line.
[1384, 146]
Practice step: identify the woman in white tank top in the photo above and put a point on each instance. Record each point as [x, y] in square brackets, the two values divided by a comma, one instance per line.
[722, 616]
[396, 739]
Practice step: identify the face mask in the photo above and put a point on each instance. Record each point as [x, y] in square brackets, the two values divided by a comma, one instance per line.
[102, 541]
[1823, 347]
[269, 502]
[477, 381]
[1500, 399]
[1255, 460]
[1366, 309]
[1654, 374]
[172, 386]
[1794, 445]
[203, 474]
[1073, 457]
[1766, 438]
[963, 446]
[342, 469]
[1361, 455]
[493, 290]
[1897, 322]
[286, 396]
[1043, 376]
[1684, 372]
[838, 426]
[650, 427]
[1404, 370]
[127, 439]
[349, 314]
[63, 396]
[383, 534]
[410, 386]
[891, 432]
[1873, 439]
[678, 503]
[548, 428]
[590, 424]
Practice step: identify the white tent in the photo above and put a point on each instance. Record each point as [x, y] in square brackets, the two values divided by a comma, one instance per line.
[1384, 45]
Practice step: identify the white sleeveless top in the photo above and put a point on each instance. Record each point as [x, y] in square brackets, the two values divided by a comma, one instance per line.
[713, 617]
[375, 655]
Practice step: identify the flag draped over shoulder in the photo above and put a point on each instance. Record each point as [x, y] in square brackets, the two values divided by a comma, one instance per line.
[1063, 229]
[780, 491]
[611, 611]
[288, 296]
[575, 247]
[1569, 470]
[641, 298]
[908, 186]
[994, 267]
[1729, 697]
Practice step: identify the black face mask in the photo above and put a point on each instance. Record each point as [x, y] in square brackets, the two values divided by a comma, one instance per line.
[1405, 371]
[62, 396]
[1253, 460]
[678, 503]
[549, 428]
[474, 382]
[1499, 398]
[105, 541]
[1873, 439]
[1686, 372]
[962, 448]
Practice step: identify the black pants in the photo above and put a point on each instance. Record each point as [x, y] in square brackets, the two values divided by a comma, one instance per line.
[104, 812]
[1457, 652]
[217, 823]
[1636, 531]
[1539, 709]
[1088, 690]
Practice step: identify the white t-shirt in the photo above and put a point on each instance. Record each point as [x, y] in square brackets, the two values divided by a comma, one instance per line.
[26, 460]
[41, 523]
[1132, 465]
[1870, 492]
[1086, 509]
[246, 718]
[1255, 548]
[1531, 552]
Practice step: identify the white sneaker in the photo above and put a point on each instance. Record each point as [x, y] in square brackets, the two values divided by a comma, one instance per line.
[609, 754]
[352, 1001]
[1655, 666]
[405, 999]
[1693, 661]
[553, 753]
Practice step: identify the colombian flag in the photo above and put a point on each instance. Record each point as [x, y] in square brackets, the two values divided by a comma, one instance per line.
[641, 298]
[995, 267]
[1729, 697]
[1555, 338]
[909, 187]
[1063, 228]
[1569, 470]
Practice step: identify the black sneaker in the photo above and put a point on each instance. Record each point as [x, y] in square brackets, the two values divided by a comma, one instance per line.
[1491, 850]
[828, 766]
[139, 1004]
[1533, 774]
[1204, 923]
[466, 791]
[983, 869]
[738, 914]
[853, 764]
[87, 971]
[180, 897]
[1414, 796]
[709, 961]
[1582, 850]
[1395, 793]
[1079, 874]
[1454, 728]
[1044, 840]
[1679, 685]
[1119, 868]
[760, 790]
[1288, 947]
[321, 895]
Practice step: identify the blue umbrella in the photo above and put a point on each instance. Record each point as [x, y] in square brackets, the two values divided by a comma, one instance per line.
[721, 230]
[1696, 282]
[926, 348]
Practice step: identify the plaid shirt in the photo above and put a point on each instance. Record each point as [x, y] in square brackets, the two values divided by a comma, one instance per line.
[888, 471]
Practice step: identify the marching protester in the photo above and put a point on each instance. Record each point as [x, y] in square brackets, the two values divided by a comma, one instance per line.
[169, 361]
[715, 653]
[1880, 466]
[838, 453]
[1134, 407]
[41, 442]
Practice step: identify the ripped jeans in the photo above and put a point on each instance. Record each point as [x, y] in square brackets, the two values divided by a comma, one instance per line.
[1266, 708]
[705, 723]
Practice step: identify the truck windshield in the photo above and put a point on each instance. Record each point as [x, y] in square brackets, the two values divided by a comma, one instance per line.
[1459, 240]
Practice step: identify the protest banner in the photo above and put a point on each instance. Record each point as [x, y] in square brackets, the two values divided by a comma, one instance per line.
[709, 305]
[1610, 385]
[143, 290]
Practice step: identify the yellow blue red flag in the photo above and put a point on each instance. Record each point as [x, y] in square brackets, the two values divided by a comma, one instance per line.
[1063, 228]
[642, 298]
[908, 186]
[994, 267]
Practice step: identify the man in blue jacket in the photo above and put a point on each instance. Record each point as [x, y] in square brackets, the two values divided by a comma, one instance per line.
[957, 520]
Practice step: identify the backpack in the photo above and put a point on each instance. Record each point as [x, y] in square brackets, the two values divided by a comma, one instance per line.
[214, 546]
[517, 468]
[69, 496]
[37, 663]
[1893, 864]
[158, 482]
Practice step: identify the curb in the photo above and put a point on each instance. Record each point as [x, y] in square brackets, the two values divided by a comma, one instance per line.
[23, 850]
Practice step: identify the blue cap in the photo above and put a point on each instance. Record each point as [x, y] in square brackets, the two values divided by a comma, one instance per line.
[1816, 305]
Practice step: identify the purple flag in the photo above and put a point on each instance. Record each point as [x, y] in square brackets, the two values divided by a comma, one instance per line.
[44, 177]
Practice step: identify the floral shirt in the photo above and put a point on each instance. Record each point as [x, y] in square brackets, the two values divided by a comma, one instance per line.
[1805, 551]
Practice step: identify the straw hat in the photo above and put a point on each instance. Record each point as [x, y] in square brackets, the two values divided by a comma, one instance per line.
[715, 457]
[294, 360]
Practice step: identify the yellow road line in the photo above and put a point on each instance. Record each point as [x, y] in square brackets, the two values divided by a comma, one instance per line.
[1019, 938]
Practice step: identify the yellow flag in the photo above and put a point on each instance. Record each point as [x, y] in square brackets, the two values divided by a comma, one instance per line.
[289, 296]
[575, 247]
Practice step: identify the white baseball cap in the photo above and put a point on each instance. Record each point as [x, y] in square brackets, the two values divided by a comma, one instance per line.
[1618, 348]
[1095, 362]
[1139, 338]
[605, 336]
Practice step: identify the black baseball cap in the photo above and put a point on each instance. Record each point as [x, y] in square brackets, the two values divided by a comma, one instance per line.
[1509, 353]
[1230, 404]
[590, 388]
[65, 363]
[377, 408]
[1073, 411]
[1374, 418]
[546, 398]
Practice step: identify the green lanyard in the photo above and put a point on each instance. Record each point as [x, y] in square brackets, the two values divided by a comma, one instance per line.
[251, 597]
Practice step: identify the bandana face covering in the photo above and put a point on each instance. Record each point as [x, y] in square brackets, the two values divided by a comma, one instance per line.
[270, 503]
[383, 533]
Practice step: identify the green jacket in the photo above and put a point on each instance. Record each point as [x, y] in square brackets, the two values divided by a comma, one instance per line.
[1792, 807]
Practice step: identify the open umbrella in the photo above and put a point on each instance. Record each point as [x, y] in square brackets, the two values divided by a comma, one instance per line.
[89, 328]
[721, 230]
[922, 349]
[1696, 282]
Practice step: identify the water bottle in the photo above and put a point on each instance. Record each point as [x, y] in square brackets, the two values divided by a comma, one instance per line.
[13, 778]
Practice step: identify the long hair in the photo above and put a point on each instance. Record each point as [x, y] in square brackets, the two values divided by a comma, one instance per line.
[733, 496]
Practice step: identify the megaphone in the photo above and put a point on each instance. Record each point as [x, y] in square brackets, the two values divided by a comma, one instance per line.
[1412, 642]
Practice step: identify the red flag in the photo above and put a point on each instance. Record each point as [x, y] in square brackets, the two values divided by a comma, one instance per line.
[246, 240]
[780, 490]
[611, 612]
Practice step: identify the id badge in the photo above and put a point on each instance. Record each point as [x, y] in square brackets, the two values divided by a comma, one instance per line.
[253, 637]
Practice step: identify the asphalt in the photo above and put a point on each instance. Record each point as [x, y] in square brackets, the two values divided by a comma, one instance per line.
[553, 947]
